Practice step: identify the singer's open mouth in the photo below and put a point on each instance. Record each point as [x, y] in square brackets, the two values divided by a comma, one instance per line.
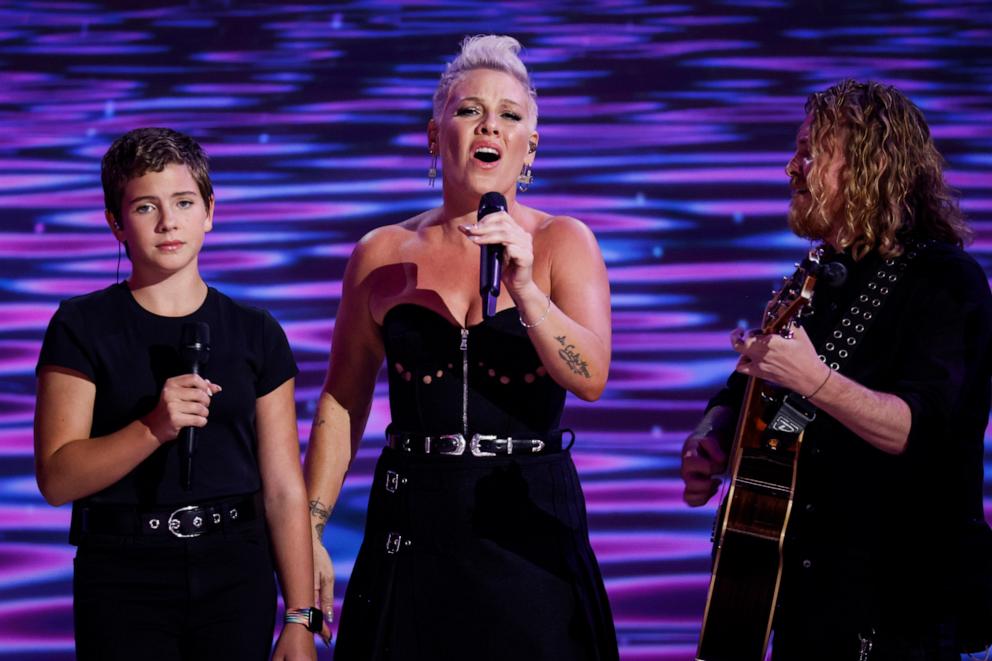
[486, 154]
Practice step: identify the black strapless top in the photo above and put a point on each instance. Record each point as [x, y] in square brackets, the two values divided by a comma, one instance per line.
[484, 379]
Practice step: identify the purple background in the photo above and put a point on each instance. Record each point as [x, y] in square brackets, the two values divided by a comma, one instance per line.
[664, 126]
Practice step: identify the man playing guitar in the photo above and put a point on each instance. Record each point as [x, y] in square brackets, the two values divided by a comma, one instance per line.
[882, 555]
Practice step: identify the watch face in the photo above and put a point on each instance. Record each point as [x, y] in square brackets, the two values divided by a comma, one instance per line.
[316, 620]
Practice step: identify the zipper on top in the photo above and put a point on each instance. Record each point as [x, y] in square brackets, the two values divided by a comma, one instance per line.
[464, 349]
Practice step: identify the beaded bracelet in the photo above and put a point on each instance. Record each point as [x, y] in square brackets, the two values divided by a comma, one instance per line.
[539, 321]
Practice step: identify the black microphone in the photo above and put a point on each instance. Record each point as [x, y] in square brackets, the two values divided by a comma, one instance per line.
[194, 350]
[834, 274]
[491, 258]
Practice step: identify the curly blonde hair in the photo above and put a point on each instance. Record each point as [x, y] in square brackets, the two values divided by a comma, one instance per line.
[892, 186]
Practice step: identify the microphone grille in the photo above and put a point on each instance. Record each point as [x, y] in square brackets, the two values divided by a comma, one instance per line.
[195, 334]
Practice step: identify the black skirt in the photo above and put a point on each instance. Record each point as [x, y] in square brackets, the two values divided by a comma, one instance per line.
[476, 558]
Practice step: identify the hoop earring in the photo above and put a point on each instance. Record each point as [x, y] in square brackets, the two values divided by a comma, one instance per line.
[526, 177]
[432, 171]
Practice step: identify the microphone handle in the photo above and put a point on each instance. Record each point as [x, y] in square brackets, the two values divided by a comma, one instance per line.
[492, 267]
[187, 440]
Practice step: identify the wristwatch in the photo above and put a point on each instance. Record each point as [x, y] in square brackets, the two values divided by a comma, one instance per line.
[311, 618]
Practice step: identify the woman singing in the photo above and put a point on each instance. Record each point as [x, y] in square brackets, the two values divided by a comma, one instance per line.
[173, 533]
[476, 544]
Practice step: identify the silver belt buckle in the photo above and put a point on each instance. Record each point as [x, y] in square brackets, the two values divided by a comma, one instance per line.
[459, 444]
[175, 524]
[475, 445]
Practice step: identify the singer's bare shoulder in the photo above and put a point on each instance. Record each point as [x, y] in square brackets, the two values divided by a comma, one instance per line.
[564, 235]
[385, 244]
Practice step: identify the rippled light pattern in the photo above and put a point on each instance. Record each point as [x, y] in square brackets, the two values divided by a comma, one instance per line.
[664, 126]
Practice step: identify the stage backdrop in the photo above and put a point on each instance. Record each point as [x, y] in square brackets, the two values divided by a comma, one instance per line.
[664, 126]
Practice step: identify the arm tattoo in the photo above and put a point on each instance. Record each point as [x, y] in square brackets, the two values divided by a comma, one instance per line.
[318, 510]
[320, 529]
[572, 358]
[318, 422]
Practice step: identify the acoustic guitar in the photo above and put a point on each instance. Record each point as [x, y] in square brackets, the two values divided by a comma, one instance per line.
[750, 530]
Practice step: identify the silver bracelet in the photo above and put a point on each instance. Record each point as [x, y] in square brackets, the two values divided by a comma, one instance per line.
[539, 321]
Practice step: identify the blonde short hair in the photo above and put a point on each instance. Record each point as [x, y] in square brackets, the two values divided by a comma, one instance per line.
[486, 51]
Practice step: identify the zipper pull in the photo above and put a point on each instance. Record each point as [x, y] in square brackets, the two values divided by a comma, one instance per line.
[464, 344]
[867, 642]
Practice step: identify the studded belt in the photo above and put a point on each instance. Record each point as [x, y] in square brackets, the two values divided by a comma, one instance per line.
[478, 445]
[180, 521]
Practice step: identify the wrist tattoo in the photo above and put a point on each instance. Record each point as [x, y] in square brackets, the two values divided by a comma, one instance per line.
[572, 358]
[318, 510]
[320, 529]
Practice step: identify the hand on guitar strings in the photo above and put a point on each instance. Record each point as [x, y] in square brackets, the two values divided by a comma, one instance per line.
[790, 362]
[704, 456]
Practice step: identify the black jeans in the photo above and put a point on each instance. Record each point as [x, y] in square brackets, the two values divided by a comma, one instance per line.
[210, 597]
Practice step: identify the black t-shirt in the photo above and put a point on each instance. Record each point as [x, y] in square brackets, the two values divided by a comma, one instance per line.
[129, 353]
[874, 539]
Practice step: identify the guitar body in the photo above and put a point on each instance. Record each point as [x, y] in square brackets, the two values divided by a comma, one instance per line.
[747, 566]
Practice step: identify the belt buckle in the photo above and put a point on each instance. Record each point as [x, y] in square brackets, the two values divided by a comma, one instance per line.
[459, 444]
[476, 444]
[175, 524]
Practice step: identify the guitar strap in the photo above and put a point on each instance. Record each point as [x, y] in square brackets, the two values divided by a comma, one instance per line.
[795, 411]
[846, 337]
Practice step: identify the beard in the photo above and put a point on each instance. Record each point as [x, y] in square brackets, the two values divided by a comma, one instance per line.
[807, 219]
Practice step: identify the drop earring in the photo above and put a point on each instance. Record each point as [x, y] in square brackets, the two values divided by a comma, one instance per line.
[526, 177]
[432, 171]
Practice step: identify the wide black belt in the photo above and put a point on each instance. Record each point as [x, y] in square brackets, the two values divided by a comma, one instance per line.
[179, 521]
[477, 445]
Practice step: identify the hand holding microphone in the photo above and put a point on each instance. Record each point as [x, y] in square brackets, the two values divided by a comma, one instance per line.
[491, 257]
[506, 250]
[194, 350]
